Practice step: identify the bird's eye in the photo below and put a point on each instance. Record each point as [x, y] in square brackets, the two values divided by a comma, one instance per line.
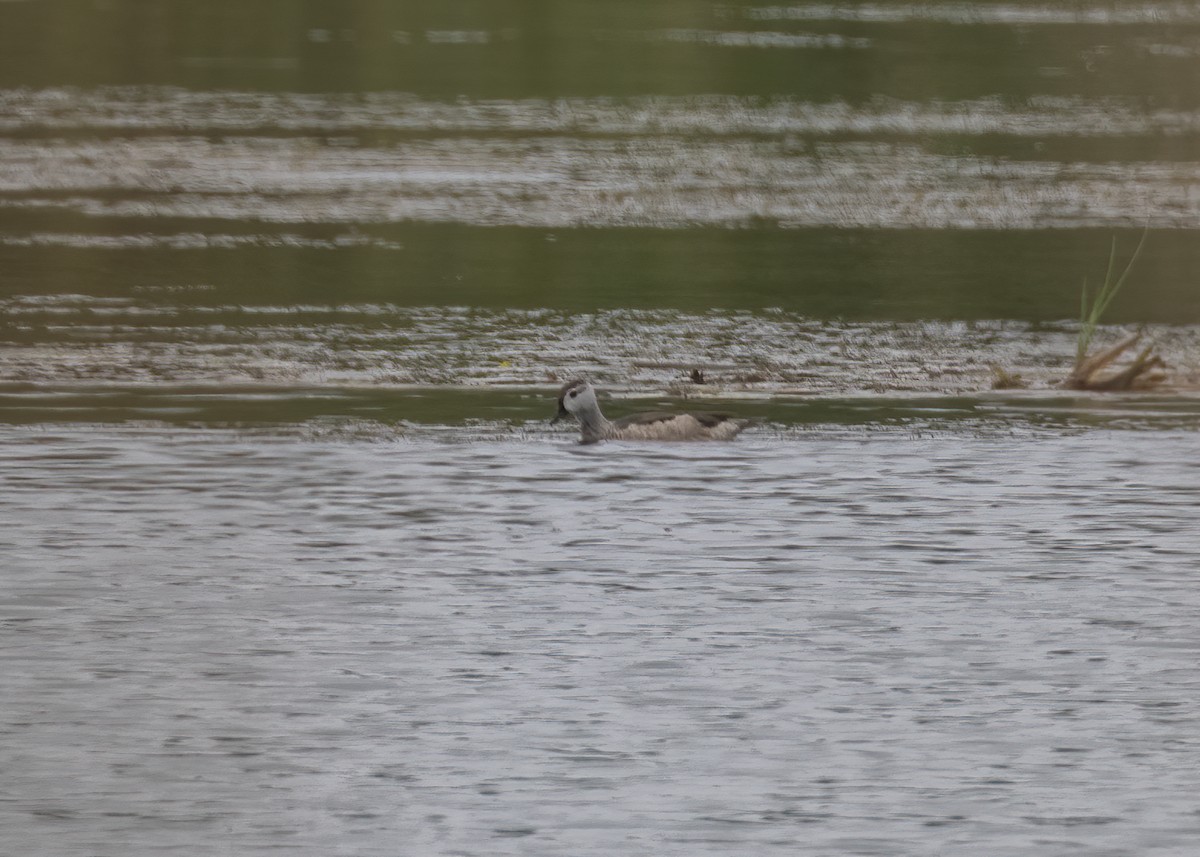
[574, 393]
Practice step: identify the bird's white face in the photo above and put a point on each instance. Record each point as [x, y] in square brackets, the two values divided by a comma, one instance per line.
[574, 397]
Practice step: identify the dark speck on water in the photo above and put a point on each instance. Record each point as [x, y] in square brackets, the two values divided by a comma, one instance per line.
[293, 561]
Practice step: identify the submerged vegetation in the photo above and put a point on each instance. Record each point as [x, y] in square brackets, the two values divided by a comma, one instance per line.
[1002, 379]
[1146, 368]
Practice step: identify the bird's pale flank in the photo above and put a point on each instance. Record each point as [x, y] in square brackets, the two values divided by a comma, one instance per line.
[578, 399]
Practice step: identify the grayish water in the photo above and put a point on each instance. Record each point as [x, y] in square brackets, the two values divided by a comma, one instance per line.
[230, 642]
[291, 561]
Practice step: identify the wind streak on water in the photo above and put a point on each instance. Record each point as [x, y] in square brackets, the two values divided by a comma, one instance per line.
[873, 646]
[1028, 14]
[662, 161]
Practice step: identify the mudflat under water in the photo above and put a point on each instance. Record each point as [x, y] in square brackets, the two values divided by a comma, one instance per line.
[291, 560]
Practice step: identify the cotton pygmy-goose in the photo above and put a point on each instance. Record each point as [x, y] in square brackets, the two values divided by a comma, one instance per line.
[578, 399]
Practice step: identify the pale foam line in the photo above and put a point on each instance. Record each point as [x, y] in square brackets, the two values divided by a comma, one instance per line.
[979, 13]
[168, 111]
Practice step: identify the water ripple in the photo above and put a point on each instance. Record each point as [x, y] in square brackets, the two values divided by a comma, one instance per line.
[658, 161]
[245, 638]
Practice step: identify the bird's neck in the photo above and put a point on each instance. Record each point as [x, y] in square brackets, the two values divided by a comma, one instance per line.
[593, 425]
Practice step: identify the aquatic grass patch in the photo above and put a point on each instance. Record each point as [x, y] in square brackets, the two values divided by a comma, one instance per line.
[1089, 316]
[1144, 369]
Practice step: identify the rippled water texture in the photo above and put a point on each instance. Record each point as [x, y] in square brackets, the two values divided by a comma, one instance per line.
[880, 645]
[292, 561]
[988, 115]
[81, 341]
[664, 161]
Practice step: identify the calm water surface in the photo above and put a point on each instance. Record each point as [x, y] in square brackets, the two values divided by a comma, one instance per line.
[290, 560]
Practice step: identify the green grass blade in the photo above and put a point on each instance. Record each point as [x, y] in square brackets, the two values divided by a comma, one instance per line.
[1089, 317]
[1124, 274]
[1085, 326]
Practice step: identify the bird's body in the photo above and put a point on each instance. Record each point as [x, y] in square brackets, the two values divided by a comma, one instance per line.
[578, 399]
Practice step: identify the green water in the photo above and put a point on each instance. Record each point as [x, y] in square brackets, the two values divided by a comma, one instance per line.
[516, 49]
[290, 179]
[825, 273]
